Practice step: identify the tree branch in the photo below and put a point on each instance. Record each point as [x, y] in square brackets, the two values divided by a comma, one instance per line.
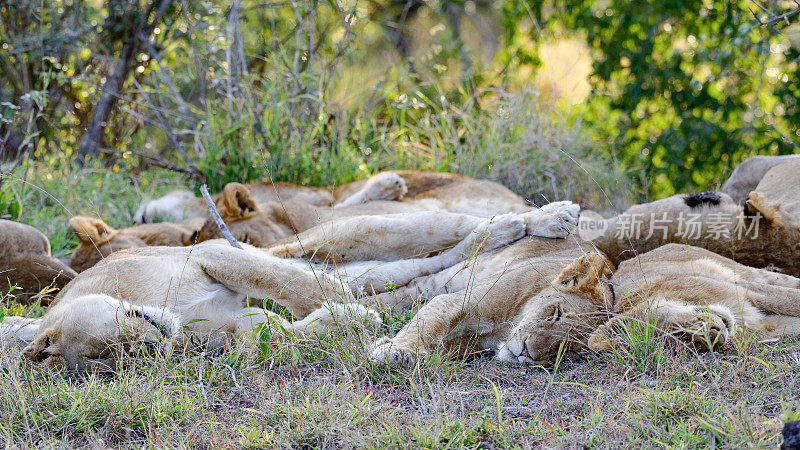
[215, 215]
[773, 19]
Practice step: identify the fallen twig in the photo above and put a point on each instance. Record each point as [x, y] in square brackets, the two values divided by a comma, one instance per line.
[215, 215]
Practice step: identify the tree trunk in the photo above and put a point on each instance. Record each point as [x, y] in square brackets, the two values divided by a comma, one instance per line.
[112, 89]
[10, 142]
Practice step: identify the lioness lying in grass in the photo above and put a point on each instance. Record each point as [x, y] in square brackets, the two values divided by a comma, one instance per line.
[261, 214]
[98, 240]
[480, 305]
[391, 185]
[262, 224]
[26, 264]
[764, 233]
[181, 204]
[689, 292]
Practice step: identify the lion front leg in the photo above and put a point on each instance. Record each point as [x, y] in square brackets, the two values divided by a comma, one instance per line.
[704, 327]
[445, 320]
[493, 233]
[382, 237]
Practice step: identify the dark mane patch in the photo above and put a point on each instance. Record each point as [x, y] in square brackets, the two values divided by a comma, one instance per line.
[702, 198]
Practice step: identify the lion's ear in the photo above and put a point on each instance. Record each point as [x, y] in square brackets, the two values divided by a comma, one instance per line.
[190, 238]
[236, 201]
[584, 274]
[91, 230]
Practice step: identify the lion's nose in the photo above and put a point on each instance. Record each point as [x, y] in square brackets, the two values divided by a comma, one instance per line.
[525, 352]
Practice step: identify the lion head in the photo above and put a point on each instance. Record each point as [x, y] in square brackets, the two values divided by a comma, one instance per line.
[247, 221]
[562, 318]
[89, 333]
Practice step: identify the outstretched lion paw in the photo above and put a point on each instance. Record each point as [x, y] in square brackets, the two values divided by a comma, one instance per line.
[387, 353]
[554, 220]
[496, 232]
[710, 329]
[332, 315]
[386, 186]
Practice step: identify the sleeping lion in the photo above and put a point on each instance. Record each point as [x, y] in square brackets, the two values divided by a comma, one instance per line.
[688, 292]
[395, 185]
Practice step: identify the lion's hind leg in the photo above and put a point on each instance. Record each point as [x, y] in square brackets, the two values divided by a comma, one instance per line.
[253, 273]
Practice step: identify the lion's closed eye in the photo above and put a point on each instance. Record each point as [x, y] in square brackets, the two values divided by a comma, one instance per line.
[556, 314]
[570, 281]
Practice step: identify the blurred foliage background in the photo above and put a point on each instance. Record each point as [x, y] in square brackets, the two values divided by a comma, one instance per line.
[601, 101]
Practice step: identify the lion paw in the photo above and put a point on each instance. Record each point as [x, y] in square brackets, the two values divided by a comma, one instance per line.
[711, 329]
[499, 231]
[554, 220]
[389, 354]
[386, 186]
[353, 312]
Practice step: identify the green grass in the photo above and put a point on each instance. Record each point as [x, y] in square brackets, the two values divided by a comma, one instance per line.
[304, 396]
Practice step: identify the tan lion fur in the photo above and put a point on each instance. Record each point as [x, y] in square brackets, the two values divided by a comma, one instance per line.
[264, 224]
[153, 293]
[688, 292]
[181, 205]
[482, 304]
[724, 227]
[695, 295]
[777, 197]
[173, 293]
[746, 176]
[25, 262]
[98, 239]
[263, 213]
